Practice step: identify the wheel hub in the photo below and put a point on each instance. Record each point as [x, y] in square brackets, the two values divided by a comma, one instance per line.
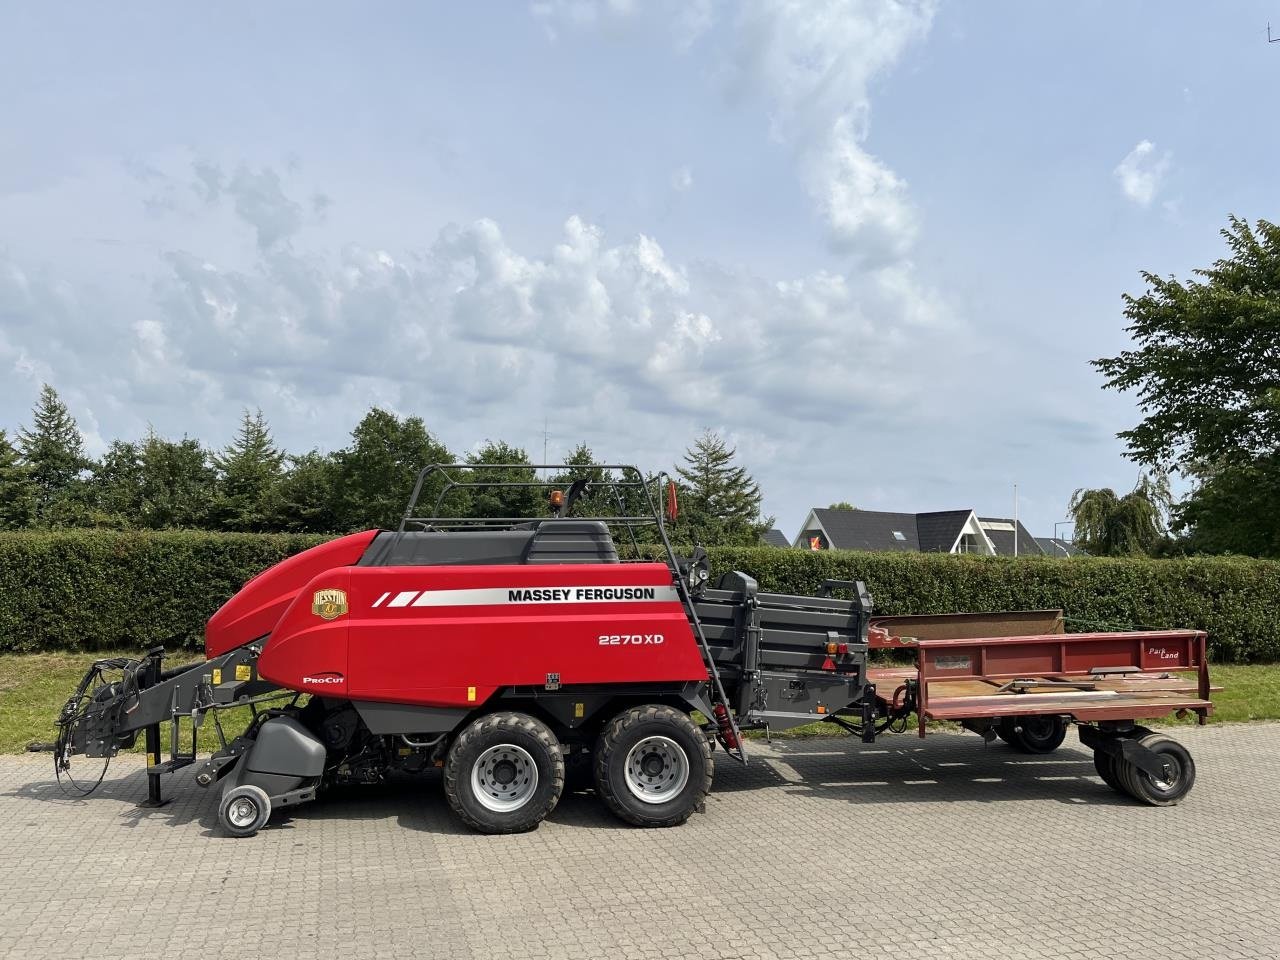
[504, 778]
[657, 769]
[1173, 773]
[242, 812]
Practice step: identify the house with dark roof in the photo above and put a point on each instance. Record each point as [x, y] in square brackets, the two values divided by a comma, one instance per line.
[774, 537]
[943, 531]
[1057, 547]
[1001, 530]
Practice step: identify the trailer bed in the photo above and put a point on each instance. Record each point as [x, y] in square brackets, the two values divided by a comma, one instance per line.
[1088, 677]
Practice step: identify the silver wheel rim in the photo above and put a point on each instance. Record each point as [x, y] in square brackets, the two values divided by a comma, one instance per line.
[504, 778]
[242, 812]
[657, 769]
[1165, 786]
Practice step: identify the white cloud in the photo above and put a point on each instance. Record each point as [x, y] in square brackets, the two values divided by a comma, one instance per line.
[814, 63]
[625, 345]
[682, 180]
[1142, 172]
[259, 199]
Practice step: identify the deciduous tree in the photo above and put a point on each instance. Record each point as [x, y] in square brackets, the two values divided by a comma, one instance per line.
[1110, 525]
[376, 473]
[1206, 373]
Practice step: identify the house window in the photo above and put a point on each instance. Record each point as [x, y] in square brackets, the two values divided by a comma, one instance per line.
[898, 535]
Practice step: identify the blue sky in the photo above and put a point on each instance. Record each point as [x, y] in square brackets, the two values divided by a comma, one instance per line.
[875, 244]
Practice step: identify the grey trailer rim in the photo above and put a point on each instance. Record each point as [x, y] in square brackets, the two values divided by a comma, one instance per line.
[504, 778]
[657, 769]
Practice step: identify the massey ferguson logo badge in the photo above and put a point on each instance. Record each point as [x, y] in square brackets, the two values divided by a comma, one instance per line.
[329, 604]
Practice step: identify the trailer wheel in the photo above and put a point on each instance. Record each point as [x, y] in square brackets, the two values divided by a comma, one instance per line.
[653, 766]
[1105, 764]
[1037, 734]
[504, 773]
[1150, 790]
[244, 810]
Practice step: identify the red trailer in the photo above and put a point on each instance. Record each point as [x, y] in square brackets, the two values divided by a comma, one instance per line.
[981, 671]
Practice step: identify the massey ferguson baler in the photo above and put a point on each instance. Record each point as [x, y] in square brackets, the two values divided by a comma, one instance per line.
[516, 652]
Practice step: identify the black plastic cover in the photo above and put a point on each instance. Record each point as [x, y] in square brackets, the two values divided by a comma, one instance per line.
[551, 541]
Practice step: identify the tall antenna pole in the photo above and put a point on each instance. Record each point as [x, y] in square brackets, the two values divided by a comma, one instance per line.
[1015, 519]
[546, 435]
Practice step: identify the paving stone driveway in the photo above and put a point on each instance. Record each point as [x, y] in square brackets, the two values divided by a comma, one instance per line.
[940, 848]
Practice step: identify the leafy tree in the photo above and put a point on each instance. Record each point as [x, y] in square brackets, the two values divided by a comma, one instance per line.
[1232, 510]
[509, 501]
[116, 485]
[308, 500]
[17, 489]
[719, 502]
[612, 493]
[1109, 525]
[249, 472]
[376, 474]
[1206, 371]
[600, 498]
[177, 485]
[842, 505]
[54, 451]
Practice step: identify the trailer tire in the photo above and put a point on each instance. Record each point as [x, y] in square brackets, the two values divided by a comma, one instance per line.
[1146, 789]
[504, 773]
[244, 810]
[653, 766]
[1105, 764]
[1039, 734]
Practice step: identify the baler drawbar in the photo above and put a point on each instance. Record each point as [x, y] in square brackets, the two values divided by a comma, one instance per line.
[522, 653]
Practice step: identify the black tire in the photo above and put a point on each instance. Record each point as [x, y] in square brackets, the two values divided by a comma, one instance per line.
[504, 773]
[670, 761]
[244, 810]
[1038, 734]
[1146, 789]
[1105, 764]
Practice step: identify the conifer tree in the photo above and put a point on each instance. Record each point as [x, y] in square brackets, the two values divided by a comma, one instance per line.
[54, 452]
[249, 472]
[719, 502]
[17, 489]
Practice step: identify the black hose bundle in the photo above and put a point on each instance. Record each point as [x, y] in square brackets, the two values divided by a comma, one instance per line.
[93, 697]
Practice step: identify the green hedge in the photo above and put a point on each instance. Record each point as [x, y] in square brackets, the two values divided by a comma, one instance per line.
[100, 590]
[97, 590]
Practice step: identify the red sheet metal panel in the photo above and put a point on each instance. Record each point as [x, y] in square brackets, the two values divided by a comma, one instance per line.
[1066, 654]
[960, 678]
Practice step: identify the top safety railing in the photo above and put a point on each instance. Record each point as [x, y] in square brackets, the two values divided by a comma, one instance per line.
[618, 495]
